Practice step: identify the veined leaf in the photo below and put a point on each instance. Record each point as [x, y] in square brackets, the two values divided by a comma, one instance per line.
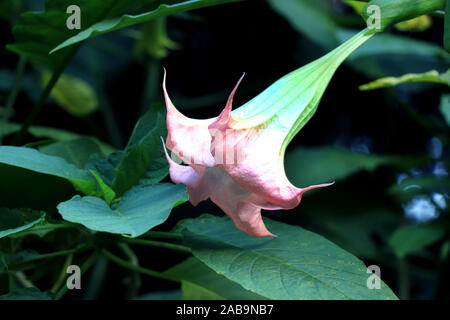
[16, 220]
[202, 283]
[139, 210]
[36, 161]
[297, 264]
[430, 76]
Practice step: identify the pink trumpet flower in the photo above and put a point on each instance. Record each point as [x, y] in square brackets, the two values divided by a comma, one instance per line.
[236, 159]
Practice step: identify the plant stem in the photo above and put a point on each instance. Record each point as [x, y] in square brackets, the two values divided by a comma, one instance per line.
[62, 275]
[135, 281]
[151, 243]
[130, 266]
[152, 83]
[22, 278]
[86, 265]
[163, 235]
[55, 254]
[96, 278]
[403, 279]
[44, 95]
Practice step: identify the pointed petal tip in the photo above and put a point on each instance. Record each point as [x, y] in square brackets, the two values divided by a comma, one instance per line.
[316, 186]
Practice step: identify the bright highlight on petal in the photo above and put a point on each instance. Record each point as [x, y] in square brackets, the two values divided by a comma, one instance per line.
[236, 159]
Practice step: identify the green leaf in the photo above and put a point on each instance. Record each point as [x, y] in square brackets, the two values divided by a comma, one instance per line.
[394, 11]
[143, 151]
[311, 165]
[36, 161]
[16, 220]
[107, 193]
[26, 294]
[445, 107]
[55, 134]
[297, 264]
[430, 76]
[72, 94]
[139, 210]
[202, 283]
[413, 238]
[105, 166]
[77, 152]
[116, 20]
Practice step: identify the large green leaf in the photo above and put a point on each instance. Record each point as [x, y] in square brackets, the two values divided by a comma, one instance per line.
[430, 76]
[142, 13]
[16, 220]
[312, 165]
[413, 238]
[34, 160]
[77, 152]
[139, 210]
[297, 264]
[143, 152]
[200, 282]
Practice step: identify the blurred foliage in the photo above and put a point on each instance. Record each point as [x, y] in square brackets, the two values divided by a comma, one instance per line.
[430, 76]
[418, 24]
[73, 94]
